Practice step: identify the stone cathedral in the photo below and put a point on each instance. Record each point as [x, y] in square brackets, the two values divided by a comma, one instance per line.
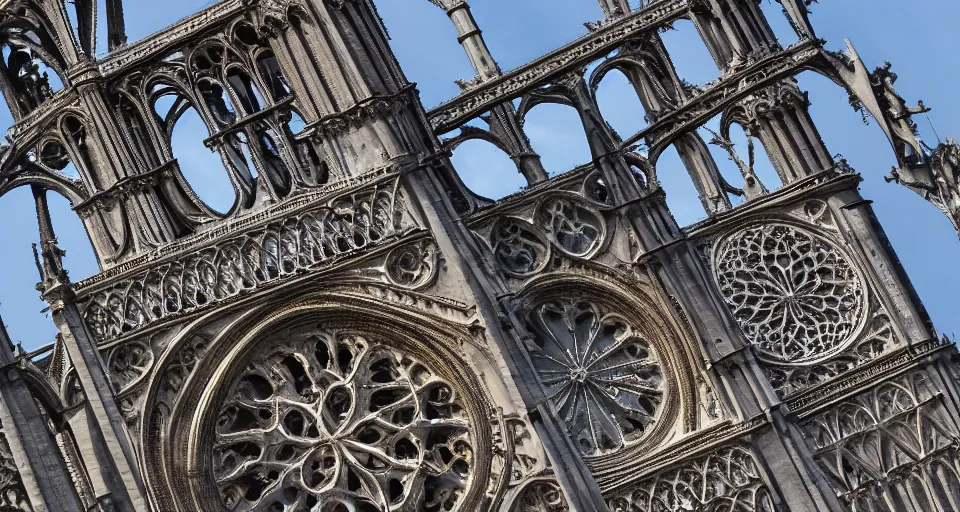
[360, 332]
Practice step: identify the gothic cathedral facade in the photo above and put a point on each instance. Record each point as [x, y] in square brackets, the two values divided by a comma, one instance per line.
[359, 332]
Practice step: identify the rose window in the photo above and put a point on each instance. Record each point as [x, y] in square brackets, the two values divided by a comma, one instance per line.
[795, 296]
[602, 376]
[337, 421]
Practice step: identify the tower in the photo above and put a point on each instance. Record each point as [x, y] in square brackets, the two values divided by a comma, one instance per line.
[360, 332]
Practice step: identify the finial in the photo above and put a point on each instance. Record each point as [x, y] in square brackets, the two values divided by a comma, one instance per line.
[49, 256]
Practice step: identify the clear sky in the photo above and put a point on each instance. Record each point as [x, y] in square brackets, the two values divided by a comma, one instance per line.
[920, 38]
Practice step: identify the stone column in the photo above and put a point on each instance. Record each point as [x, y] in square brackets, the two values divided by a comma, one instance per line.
[23, 428]
[107, 430]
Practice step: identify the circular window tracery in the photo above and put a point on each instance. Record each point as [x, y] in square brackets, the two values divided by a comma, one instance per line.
[603, 377]
[795, 296]
[341, 420]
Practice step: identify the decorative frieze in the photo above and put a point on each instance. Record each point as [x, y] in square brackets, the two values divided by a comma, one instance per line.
[729, 478]
[894, 446]
[314, 238]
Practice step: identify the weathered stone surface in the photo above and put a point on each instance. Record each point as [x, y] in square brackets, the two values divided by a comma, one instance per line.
[360, 332]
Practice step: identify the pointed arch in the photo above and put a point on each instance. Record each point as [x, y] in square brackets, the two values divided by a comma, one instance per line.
[617, 98]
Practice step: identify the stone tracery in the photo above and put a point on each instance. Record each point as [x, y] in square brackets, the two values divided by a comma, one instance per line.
[319, 419]
[341, 418]
[728, 479]
[796, 296]
[602, 375]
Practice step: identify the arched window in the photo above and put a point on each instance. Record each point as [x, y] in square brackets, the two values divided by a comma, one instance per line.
[201, 167]
[218, 102]
[619, 104]
[28, 78]
[271, 74]
[75, 135]
[246, 91]
[556, 134]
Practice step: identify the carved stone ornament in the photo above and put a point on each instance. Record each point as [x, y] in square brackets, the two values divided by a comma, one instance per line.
[288, 246]
[728, 479]
[13, 496]
[345, 421]
[540, 495]
[602, 376]
[796, 296]
[577, 229]
[893, 444]
[519, 247]
[414, 265]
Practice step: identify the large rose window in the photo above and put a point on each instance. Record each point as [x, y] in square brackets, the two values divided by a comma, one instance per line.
[795, 296]
[602, 376]
[333, 420]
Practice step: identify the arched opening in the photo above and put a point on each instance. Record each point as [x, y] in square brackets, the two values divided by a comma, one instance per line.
[29, 77]
[682, 196]
[270, 72]
[762, 164]
[138, 131]
[219, 103]
[54, 156]
[619, 104]
[743, 162]
[200, 166]
[246, 91]
[689, 54]
[271, 160]
[556, 134]
[486, 170]
[75, 135]
[949, 483]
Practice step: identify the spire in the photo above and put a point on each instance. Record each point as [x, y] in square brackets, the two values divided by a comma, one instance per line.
[49, 256]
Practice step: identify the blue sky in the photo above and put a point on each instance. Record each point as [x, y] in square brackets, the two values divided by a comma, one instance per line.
[920, 38]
